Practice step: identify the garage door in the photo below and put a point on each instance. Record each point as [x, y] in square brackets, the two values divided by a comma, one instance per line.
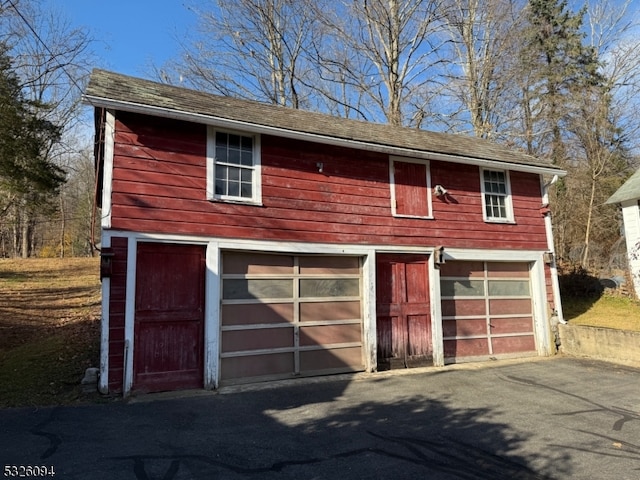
[284, 316]
[486, 310]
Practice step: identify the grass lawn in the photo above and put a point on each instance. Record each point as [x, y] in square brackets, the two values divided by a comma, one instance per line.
[607, 311]
[49, 329]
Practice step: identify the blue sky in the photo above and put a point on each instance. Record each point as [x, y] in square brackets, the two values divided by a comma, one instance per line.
[130, 34]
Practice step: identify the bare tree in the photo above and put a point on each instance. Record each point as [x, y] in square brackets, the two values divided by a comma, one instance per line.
[249, 49]
[607, 126]
[387, 55]
[614, 33]
[485, 40]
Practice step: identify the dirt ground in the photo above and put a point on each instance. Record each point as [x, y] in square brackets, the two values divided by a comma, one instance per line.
[41, 295]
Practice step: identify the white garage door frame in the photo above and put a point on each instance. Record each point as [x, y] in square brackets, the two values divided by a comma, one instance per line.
[213, 325]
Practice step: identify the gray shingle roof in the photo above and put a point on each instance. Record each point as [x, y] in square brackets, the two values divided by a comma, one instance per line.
[115, 90]
[630, 190]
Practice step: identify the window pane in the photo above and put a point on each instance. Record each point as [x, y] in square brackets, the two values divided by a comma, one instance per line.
[234, 142]
[245, 175]
[221, 153]
[221, 187]
[243, 289]
[330, 287]
[246, 158]
[221, 139]
[508, 288]
[247, 144]
[222, 172]
[234, 174]
[233, 189]
[462, 288]
[245, 190]
[234, 156]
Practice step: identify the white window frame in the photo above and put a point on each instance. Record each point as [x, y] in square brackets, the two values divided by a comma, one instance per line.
[508, 203]
[392, 184]
[256, 176]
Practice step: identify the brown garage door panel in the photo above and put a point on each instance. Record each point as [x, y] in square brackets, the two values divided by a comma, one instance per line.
[328, 311]
[257, 365]
[243, 263]
[330, 334]
[511, 325]
[507, 269]
[468, 347]
[256, 313]
[506, 306]
[462, 269]
[463, 307]
[262, 339]
[337, 359]
[513, 344]
[464, 327]
[322, 265]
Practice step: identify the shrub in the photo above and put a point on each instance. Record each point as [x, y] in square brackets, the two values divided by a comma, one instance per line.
[577, 282]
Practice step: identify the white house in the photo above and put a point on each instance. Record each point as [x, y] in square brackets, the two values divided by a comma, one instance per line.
[628, 196]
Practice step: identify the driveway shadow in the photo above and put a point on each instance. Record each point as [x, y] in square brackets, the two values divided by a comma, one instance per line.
[313, 431]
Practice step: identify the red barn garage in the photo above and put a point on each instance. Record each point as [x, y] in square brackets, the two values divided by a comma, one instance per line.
[246, 242]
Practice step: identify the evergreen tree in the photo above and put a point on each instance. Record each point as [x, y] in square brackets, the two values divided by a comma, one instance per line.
[25, 138]
[560, 65]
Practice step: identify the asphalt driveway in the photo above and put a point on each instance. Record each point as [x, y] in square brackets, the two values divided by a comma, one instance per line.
[558, 418]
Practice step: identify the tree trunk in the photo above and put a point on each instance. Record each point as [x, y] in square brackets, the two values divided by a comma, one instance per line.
[62, 225]
[587, 233]
[25, 235]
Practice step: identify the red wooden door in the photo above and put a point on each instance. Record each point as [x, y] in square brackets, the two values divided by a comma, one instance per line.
[403, 313]
[411, 189]
[169, 317]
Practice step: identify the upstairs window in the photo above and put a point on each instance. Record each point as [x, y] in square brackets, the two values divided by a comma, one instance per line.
[496, 196]
[233, 166]
[410, 188]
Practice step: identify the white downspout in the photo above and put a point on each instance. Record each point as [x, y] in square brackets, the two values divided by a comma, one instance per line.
[555, 286]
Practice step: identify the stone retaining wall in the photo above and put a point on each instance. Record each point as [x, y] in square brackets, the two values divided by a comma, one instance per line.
[620, 346]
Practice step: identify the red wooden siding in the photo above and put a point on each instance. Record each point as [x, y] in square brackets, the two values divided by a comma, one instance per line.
[117, 301]
[160, 178]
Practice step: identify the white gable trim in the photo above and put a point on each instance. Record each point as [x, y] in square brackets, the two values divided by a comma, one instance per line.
[107, 181]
